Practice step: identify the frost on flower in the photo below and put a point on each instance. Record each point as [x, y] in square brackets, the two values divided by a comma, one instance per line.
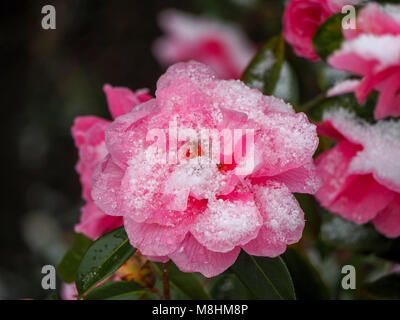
[88, 134]
[220, 45]
[361, 174]
[372, 51]
[183, 206]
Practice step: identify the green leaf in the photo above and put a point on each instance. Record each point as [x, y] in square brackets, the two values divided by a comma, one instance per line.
[69, 264]
[309, 206]
[52, 296]
[188, 283]
[264, 70]
[265, 278]
[328, 36]
[287, 87]
[116, 290]
[306, 279]
[102, 258]
[349, 102]
[387, 287]
[227, 286]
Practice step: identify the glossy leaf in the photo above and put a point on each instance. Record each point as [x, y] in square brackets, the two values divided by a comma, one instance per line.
[328, 36]
[102, 258]
[287, 87]
[116, 290]
[265, 278]
[347, 101]
[306, 279]
[69, 264]
[309, 206]
[264, 70]
[227, 286]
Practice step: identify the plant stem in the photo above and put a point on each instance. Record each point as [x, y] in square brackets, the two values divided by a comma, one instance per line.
[312, 103]
[165, 271]
[157, 292]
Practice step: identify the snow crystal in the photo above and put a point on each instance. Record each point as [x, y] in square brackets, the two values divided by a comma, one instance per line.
[226, 224]
[280, 209]
[391, 10]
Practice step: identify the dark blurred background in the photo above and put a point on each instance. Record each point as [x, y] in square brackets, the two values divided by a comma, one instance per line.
[48, 77]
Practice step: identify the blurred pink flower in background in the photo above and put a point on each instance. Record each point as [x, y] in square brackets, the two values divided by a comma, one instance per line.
[361, 174]
[301, 20]
[196, 212]
[222, 46]
[88, 134]
[373, 52]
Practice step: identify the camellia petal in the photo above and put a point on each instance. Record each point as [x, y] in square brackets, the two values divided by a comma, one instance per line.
[361, 174]
[191, 256]
[388, 220]
[283, 220]
[227, 223]
[154, 239]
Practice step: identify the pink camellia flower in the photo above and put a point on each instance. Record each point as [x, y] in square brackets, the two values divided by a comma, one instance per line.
[373, 52]
[183, 206]
[222, 46]
[88, 133]
[361, 174]
[301, 20]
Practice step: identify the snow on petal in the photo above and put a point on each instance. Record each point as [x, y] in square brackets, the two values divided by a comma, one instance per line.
[381, 51]
[126, 135]
[283, 220]
[187, 205]
[227, 223]
[361, 174]
[345, 86]
[380, 146]
[288, 141]
[201, 178]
